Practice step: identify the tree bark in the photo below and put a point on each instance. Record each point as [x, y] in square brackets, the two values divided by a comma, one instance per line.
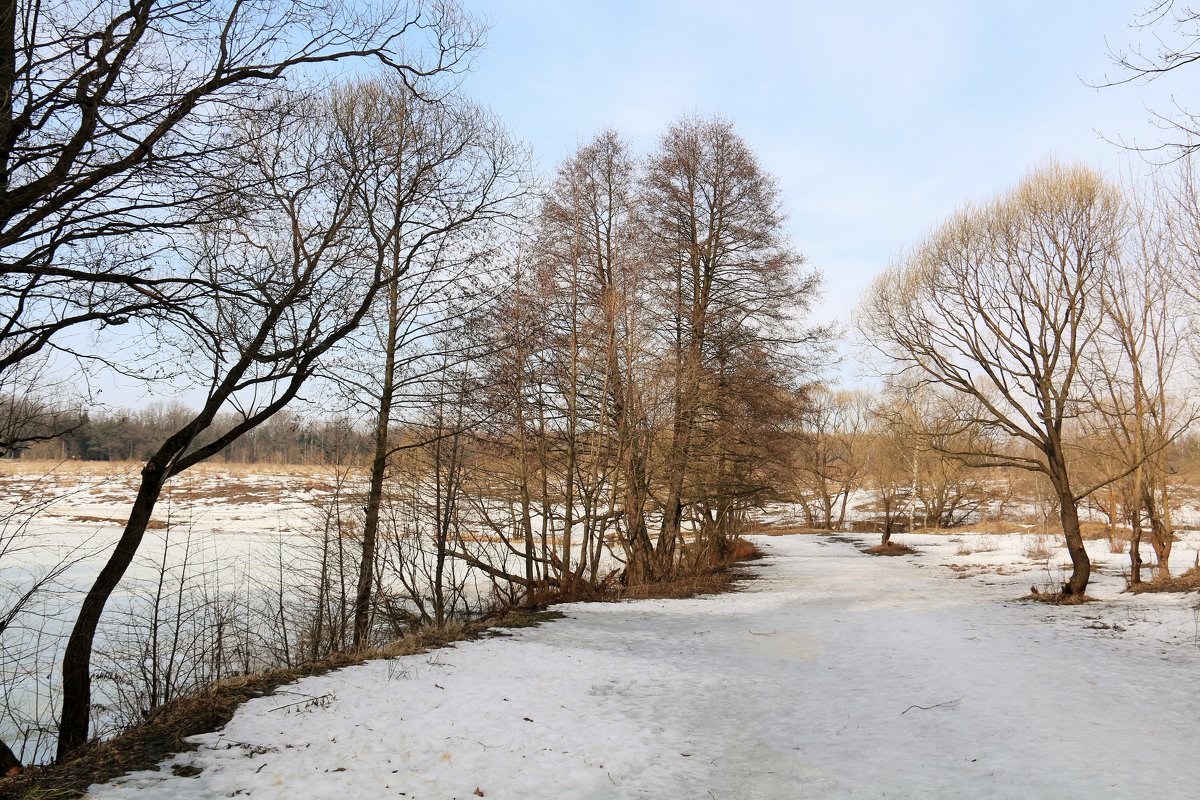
[9, 763]
[1135, 543]
[77, 659]
[1160, 535]
[366, 567]
[1068, 513]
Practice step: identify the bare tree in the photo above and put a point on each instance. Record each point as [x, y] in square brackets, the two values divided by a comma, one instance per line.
[112, 115]
[1000, 305]
[724, 269]
[588, 249]
[288, 279]
[112, 119]
[1174, 30]
[1142, 406]
[435, 176]
[890, 449]
[832, 455]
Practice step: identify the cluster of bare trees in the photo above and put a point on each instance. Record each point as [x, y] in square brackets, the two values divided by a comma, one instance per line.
[183, 203]
[663, 361]
[614, 410]
[879, 460]
[1048, 330]
[592, 384]
[132, 434]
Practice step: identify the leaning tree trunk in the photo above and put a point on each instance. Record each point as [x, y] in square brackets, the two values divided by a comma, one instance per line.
[77, 659]
[1068, 514]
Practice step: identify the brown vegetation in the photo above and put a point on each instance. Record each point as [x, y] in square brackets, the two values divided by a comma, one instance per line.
[891, 549]
[1187, 582]
[1056, 598]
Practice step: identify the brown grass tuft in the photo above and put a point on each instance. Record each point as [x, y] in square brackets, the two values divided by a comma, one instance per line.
[1057, 598]
[1038, 550]
[1187, 582]
[891, 549]
[721, 575]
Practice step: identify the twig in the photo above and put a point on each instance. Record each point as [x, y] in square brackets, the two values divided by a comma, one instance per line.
[305, 701]
[476, 741]
[935, 705]
[763, 633]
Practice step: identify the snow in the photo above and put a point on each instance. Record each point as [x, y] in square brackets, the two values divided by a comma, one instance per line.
[833, 675]
[251, 534]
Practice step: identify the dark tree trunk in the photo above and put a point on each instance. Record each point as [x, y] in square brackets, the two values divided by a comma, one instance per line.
[1068, 513]
[1135, 542]
[9, 763]
[8, 77]
[366, 567]
[1160, 537]
[77, 659]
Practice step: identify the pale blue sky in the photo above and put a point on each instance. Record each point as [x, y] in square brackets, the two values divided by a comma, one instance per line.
[877, 118]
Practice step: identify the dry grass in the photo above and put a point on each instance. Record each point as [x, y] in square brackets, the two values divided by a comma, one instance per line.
[780, 529]
[1056, 598]
[721, 576]
[891, 549]
[976, 544]
[164, 732]
[1187, 582]
[1093, 530]
[1039, 549]
[996, 526]
[37, 467]
[154, 524]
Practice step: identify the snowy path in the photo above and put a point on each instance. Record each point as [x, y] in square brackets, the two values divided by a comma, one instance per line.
[801, 686]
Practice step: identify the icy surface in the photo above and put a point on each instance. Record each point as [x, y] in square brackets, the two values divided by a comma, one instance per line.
[834, 675]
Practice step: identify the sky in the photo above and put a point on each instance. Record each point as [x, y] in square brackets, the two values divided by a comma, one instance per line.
[877, 119]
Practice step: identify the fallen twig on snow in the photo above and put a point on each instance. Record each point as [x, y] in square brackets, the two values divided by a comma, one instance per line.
[953, 702]
[308, 701]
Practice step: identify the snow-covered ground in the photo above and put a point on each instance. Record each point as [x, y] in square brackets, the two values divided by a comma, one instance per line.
[834, 675]
[252, 541]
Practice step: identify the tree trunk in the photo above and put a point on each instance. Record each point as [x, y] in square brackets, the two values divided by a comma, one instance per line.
[1135, 543]
[1160, 536]
[887, 524]
[9, 763]
[8, 82]
[1068, 513]
[366, 567]
[77, 659]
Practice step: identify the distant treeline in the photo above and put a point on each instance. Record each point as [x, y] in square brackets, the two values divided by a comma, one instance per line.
[133, 435]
